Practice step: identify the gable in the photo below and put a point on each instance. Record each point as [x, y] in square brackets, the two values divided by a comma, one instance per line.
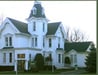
[7, 27]
[52, 28]
[60, 32]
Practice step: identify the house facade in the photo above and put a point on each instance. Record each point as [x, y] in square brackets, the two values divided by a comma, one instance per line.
[20, 42]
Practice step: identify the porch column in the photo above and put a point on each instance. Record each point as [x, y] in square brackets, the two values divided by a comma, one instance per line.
[15, 68]
[26, 65]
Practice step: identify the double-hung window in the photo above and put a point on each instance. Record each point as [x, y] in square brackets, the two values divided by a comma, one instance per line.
[8, 41]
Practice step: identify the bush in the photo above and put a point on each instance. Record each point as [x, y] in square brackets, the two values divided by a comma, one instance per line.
[49, 67]
[6, 68]
[39, 61]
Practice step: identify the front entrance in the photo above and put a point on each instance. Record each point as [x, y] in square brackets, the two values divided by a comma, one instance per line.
[21, 65]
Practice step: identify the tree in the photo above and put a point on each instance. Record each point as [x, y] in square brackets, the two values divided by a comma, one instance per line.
[91, 60]
[75, 35]
[39, 61]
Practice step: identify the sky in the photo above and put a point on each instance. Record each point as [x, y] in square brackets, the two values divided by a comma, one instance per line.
[74, 14]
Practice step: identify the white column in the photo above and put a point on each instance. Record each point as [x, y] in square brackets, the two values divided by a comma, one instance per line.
[26, 65]
[15, 68]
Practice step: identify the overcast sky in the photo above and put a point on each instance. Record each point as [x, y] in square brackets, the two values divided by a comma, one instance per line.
[75, 14]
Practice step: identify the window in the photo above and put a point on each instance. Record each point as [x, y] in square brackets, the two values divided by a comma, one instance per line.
[10, 57]
[21, 55]
[36, 41]
[34, 26]
[75, 58]
[43, 42]
[59, 58]
[8, 41]
[50, 42]
[30, 57]
[4, 57]
[34, 11]
[43, 27]
[59, 42]
[71, 58]
[32, 42]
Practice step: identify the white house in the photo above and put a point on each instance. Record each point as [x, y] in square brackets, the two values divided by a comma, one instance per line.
[20, 42]
[77, 52]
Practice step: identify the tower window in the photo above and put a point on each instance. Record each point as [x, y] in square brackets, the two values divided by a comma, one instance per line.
[34, 11]
[34, 26]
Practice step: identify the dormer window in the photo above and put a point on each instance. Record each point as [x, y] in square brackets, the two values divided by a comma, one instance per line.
[34, 11]
[8, 40]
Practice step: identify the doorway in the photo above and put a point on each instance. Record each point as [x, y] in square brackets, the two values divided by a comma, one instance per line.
[21, 65]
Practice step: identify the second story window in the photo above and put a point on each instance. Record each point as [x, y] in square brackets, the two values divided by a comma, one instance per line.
[36, 41]
[8, 41]
[43, 27]
[34, 26]
[43, 42]
[50, 42]
[59, 42]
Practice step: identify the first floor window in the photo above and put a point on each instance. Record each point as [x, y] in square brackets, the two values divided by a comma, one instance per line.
[10, 57]
[59, 58]
[75, 58]
[71, 58]
[4, 57]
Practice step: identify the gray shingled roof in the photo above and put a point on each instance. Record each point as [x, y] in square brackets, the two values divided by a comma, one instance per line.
[78, 46]
[38, 13]
[52, 28]
[21, 26]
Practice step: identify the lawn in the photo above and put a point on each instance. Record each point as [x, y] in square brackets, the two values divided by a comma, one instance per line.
[56, 72]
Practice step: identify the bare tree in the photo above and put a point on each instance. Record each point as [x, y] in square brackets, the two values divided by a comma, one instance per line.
[75, 35]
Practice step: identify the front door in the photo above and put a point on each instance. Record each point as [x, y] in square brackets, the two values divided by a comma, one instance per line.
[21, 65]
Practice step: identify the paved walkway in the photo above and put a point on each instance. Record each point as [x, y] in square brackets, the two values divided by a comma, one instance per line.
[74, 72]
